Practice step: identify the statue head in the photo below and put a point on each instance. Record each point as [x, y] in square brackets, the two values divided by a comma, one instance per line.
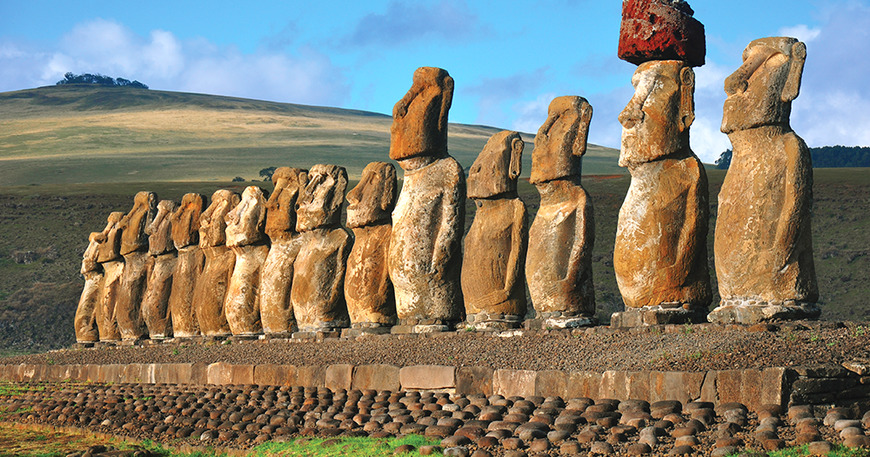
[320, 204]
[760, 92]
[185, 220]
[281, 206]
[561, 140]
[420, 118]
[109, 239]
[133, 236]
[212, 226]
[246, 221]
[497, 167]
[656, 121]
[159, 231]
[373, 199]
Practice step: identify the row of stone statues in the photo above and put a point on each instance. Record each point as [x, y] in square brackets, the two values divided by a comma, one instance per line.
[249, 264]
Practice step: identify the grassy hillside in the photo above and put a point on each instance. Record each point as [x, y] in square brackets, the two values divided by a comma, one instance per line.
[93, 134]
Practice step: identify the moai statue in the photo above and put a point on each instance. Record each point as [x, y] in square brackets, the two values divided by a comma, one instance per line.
[763, 244]
[276, 309]
[188, 267]
[559, 259]
[425, 256]
[317, 292]
[137, 263]
[211, 286]
[88, 309]
[660, 254]
[246, 238]
[110, 259]
[493, 279]
[369, 293]
[155, 304]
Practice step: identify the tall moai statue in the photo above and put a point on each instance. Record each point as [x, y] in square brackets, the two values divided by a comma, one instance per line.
[425, 256]
[368, 291]
[188, 267]
[660, 253]
[559, 259]
[88, 309]
[276, 309]
[137, 263]
[112, 263]
[246, 238]
[493, 263]
[211, 286]
[155, 304]
[763, 244]
[317, 292]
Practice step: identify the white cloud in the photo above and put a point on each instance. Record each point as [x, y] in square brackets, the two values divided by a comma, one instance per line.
[531, 114]
[801, 32]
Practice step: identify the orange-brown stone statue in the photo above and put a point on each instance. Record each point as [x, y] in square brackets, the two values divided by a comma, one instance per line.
[86, 313]
[188, 267]
[112, 263]
[559, 259]
[137, 263]
[318, 274]
[246, 238]
[660, 254]
[425, 257]
[211, 286]
[493, 276]
[276, 309]
[763, 244]
[367, 288]
[155, 304]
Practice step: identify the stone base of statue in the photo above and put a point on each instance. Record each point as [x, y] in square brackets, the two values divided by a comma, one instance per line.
[317, 334]
[657, 315]
[491, 322]
[365, 328]
[749, 311]
[560, 320]
[405, 326]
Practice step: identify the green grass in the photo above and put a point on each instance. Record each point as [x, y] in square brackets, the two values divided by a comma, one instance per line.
[799, 451]
[328, 447]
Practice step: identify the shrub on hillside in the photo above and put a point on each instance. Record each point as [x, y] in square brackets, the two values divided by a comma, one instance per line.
[99, 80]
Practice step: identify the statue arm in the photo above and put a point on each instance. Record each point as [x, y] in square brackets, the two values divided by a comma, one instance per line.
[516, 259]
[447, 232]
[795, 206]
[584, 236]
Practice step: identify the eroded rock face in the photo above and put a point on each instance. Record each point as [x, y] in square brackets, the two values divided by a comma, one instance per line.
[211, 286]
[86, 313]
[420, 118]
[276, 309]
[188, 266]
[247, 239]
[134, 248]
[493, 276]
[318, 274]
[155, 304]
[660, 254]
[559, 259]
[660, 30]
[367, 286]
[109, 258]
[765, 268]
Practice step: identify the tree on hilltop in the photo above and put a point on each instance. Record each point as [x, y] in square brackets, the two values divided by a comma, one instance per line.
[98, 80]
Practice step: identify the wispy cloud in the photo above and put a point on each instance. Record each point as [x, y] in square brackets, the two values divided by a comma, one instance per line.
[403, 22]
[494, 94]
[801, 32]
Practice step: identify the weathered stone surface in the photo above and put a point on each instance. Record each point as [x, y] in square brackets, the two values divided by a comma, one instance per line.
[660, 253]
[134, 248]
[185, 220]
[247, 240]
[765, 268]
[338, 376]
[427, 377]
[86, 313]
[188, 266]
[377, 377]
[110, 260]
[275, 375]
[583, 384]
[559, 259]
[155, 303]
[429, 218]
[493, 279]
[276, 309]
[367, 286]
[318, 274]
[551, 383]
[661, 30]
[514, 382]
[211, 286]
[471, 380]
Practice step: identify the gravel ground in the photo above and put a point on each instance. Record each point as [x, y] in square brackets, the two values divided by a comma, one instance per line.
[698, 347]
[476, 426]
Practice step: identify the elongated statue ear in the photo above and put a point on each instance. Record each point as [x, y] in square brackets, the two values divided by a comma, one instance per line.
[516, 164]
[687, 98]
[795, 71]
[582, 136]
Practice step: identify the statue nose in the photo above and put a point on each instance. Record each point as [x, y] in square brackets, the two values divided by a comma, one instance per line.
[630, 116]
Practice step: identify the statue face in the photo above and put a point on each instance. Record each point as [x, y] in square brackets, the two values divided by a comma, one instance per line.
[281, 206]
[420, 118]
[109, 247]
[760, 92]
[212, 226]
[373, 199]
[245, 222]
[185, 220]
[159, 230]
[134, 224]
[496, 169]
[654, 123]
[320, 203]
[561, 140]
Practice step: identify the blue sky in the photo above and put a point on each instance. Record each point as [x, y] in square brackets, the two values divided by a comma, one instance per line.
[508, 58]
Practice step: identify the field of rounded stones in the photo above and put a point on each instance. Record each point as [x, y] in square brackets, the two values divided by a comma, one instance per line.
[242, 416]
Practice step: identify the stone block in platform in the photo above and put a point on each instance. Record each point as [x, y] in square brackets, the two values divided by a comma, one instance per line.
[219, 373]
[514, 382]
[311, 376]
[583, 384]
[173, 373]
[474, 380]
[317, 334]
[199, 373]
[364, 331]
[339, 376]
[551, 383]
[751, 313]
[427, 377]
[242, 374]
[682, 386]
[275, 375]
[377, 377]
[642, 317]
